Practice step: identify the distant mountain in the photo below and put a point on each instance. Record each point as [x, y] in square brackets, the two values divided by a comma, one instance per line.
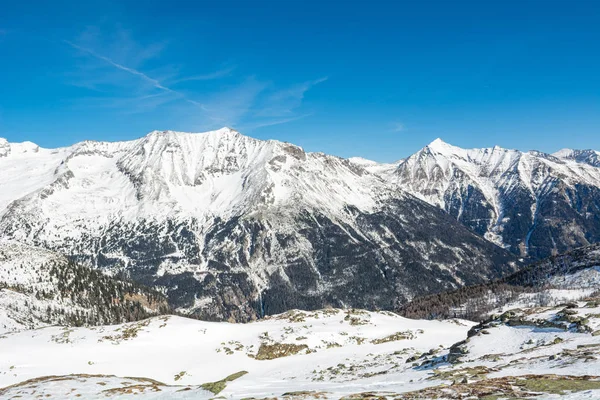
[39, 287]
[531, 203]
[591, 157]
[231, 227]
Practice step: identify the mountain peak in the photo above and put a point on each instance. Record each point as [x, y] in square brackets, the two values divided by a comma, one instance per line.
[439, 146]
[4, 147]
[7, 147]
[193, 142]
[563, 153]
[437, 143]
[168, 133]
[590, 157]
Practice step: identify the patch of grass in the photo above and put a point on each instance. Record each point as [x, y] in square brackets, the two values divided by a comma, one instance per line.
[558, 385]
[331, 345]
[278, 350]
[359, 340]
[133, 389]
[305, 394]
[127, 332]
[179, 375]
[394, 337]
[509, 387]
[476, 373]
[218, 386]
[63, 338]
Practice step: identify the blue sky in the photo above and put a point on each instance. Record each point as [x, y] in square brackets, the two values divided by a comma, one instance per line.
[379, 79]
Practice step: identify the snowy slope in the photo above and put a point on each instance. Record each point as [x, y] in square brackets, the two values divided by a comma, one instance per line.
[374, 166]
[591, 157]
[337, 352]
[328, 354]
[532, 203]
[25, 168]
[233, 227]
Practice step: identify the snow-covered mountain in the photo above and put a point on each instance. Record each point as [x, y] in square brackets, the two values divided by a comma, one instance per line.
[591, 157]
[39, 287]
[233, 227]
[532, 203]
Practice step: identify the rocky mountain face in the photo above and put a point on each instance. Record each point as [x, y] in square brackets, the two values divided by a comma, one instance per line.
[230, 227]
[531, 203]
[40, 287]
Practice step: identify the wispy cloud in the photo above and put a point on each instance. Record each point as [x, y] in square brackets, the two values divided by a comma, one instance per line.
[271, 122]
[397, 127]
[129, 77]
[283, 102]
[231, 105]
[132, 71]
[153, 82]
[255, 104]
[129, 104]
[207, 77]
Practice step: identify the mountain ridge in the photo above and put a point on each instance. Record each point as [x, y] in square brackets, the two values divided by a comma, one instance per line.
[233, 227]
[228, 226]
[515, 199]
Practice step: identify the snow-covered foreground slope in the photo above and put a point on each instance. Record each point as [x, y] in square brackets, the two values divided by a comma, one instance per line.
[534, 204]
[230, 227]
[336, 351]
[323, 354]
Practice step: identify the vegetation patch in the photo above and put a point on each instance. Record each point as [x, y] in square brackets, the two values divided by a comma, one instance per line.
[132, 389]
[509, 387]
[126, 332]
[357, 317]
[278, 350]
[558, 385]
[64, 337]
[461, 375]
[296, 316]
[218, 386]
[394, 337]
[179, 375]
[304, 394]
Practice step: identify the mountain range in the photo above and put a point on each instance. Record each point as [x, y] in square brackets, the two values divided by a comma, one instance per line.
[230, 227]
[531, 203]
